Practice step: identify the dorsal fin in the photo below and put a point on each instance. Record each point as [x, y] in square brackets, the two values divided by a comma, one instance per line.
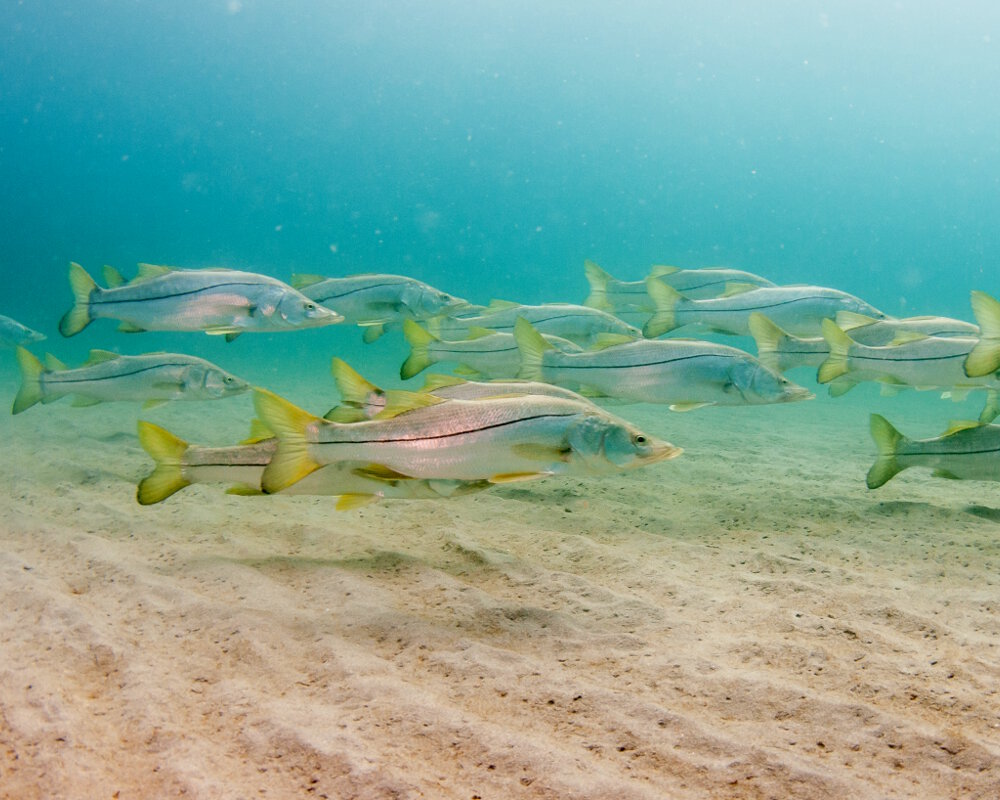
[437, 381]
[500, 305]
[605, 340]
[478, 332]
[300, 280]
[399, 401]
[734, 288]
[956, 426]
[149, 271]
[53, 364]
[848, 320]
[660, 270]
[100, 356]
[112, 277]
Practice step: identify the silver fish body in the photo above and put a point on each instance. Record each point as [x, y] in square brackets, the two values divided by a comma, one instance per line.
[799, 310]
[14, 334]
[967, 451]
[108, 377]
[880, 333]
[217, 301]
[683, 373]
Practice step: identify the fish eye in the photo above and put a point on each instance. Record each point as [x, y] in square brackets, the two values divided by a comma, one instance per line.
[638, 439]
[229, 379]
[310, 306]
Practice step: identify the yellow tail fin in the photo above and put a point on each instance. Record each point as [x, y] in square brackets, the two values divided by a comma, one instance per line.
[292, 460]
[420, 357]
[887, 440]
[78, 317]
[768, 337]
[167, 476]
[532, 346]
[31, 390]
[665, 299]
[354, 389]
[598, 280]
[840, 343]
[984, 359]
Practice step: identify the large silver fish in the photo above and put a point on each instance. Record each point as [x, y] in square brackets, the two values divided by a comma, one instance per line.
[179, 464]
[379, 301]
[490, 354]
[14, 334]
[966, 451]
[683, 373]
[579, 324]
[217, 301]
[929, 362]
[881, 332]
[799, 310]
[152, 378]
[509, 438]
[621, 297]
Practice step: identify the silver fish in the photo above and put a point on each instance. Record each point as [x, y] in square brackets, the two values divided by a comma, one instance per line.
[683, 373]
[377, 301]
[488, 353]
[966, 451]
[503, 439]
[777, 349]
[617, 297]
[799, 310]
[579, 324]
[881, 332]
[217, 301]
[14, 334]
[152, 378]
[179, 464]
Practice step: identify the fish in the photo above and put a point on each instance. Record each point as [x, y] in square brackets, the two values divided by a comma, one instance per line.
[179, 464]
[984, 359]
[362, 399]
[682, 373]
[881, 332]
[610, 294]
[152, 378]
[579, 324]
[799, 310]
[14, 334]
[486, 353]
[966, 451]
[380, 302]
[216, 301]
[928, 362]
[501, 440]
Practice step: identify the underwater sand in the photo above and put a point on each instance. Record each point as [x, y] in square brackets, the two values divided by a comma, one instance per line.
[745, 621]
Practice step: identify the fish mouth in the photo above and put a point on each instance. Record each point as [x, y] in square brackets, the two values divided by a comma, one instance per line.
[662, 452]
[795, 395]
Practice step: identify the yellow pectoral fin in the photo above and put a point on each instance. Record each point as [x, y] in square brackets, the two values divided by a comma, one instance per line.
[348, 502]
[541, 452]
[380, 472]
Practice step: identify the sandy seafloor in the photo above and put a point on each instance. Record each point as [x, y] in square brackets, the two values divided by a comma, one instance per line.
[746, 621]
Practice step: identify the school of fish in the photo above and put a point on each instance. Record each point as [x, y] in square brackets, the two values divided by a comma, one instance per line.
[525, 401]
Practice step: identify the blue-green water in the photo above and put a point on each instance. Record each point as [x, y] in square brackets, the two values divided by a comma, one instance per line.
[488, 148]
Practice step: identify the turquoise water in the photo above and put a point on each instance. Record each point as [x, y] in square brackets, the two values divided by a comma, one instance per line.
[489, 148]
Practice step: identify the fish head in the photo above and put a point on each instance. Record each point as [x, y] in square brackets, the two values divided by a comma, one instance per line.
[294, 310]
[755, 384]
[429, 302]
[859, 306]
[604, 443]
[213, 382]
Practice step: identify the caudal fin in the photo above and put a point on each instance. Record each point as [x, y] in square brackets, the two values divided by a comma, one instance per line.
[598, 280]
[292, 460]
[887, 440]
[836, 364]
[78, 317]
[531, 346]
[31, 390]
[984, 359]
[768, 337]
[167, 476]
[665, 299]
[420, 357]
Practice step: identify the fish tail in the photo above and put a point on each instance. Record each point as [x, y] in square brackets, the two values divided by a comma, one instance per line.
[532, 346]
[887, 440]
[167, 476]
[768, 337]
[984, 359]
[992, 408]
[292, 460]
[360, 397]
[836, 364]
[665, 299]
[78, 317]
[31, 390]
[598, 280]
[420, 341]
